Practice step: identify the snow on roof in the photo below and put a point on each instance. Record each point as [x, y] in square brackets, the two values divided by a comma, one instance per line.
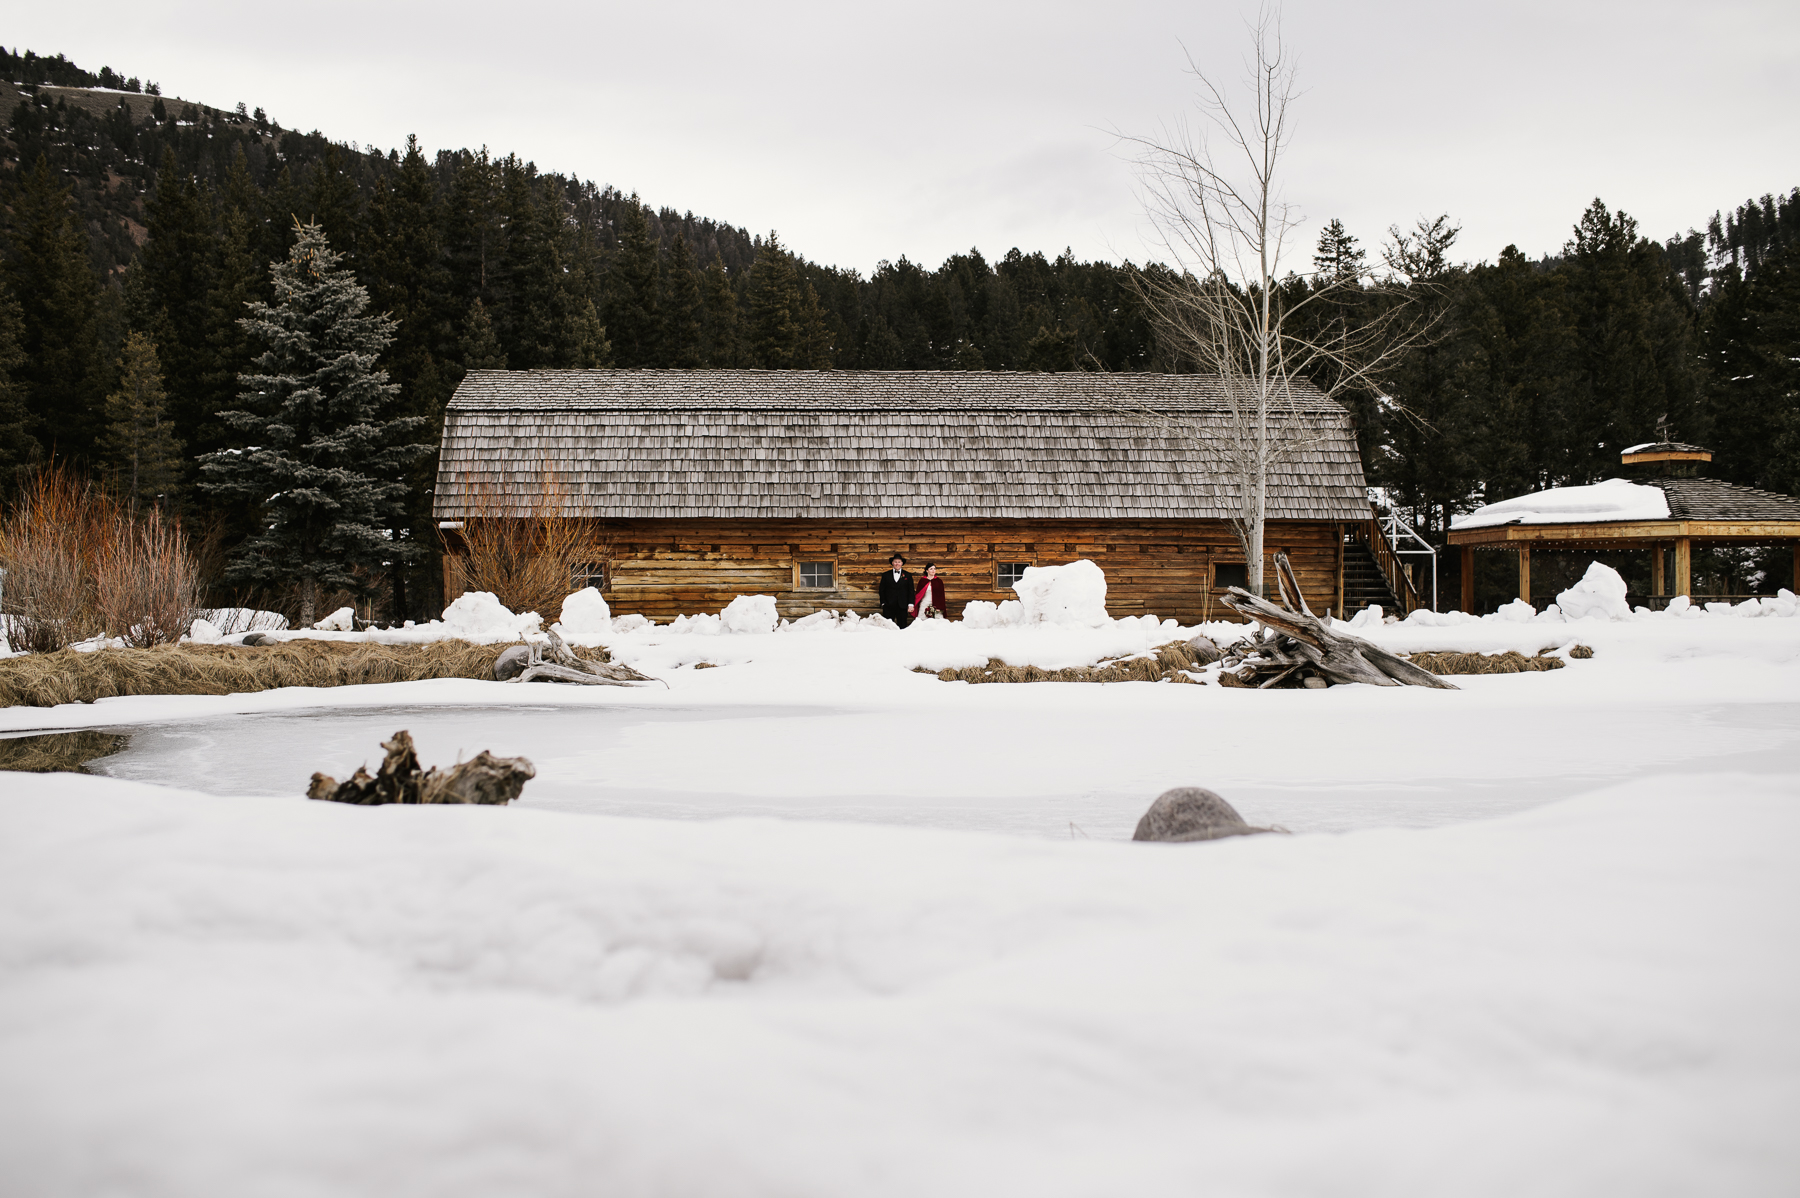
[1614, 499]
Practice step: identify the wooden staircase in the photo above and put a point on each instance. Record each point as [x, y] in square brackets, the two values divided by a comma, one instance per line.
[1364, 582]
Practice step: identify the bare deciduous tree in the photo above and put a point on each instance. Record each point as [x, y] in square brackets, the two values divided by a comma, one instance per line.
[1222, 305]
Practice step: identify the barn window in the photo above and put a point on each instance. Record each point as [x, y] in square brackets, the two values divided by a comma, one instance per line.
[818, 575]
[1007, 573]
[1230, 574]
[587, 574]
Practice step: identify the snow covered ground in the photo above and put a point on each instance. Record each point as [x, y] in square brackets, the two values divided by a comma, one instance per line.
[1536, 935]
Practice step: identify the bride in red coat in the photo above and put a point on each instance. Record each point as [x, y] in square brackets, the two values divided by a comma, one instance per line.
[928, 604]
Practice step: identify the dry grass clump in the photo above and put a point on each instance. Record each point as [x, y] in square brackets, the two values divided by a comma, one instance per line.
[47, 679]
[147, 581]
[1510, 662]
[79, 562]
[49, 543]
[1168, 664]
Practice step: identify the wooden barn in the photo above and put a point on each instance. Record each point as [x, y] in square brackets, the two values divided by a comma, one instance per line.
[695, 486]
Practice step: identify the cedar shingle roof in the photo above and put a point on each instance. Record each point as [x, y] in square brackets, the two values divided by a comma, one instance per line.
[1710, 499]
[873, 444]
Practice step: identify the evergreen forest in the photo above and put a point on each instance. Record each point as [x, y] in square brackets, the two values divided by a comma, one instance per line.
[146, 240]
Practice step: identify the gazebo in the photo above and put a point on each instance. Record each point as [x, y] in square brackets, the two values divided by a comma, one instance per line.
[1670, 509]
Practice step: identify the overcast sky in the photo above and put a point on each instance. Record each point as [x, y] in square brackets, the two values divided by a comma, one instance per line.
[927, 128]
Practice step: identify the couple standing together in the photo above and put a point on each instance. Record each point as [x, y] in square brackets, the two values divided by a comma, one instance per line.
[904, 599]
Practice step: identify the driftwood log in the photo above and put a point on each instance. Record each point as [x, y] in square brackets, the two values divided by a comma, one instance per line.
[563, 666]
[1294, 646]
[484, 778]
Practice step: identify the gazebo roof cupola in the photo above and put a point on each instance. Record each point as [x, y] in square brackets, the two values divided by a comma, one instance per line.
[1671, 459]
[1665, 456]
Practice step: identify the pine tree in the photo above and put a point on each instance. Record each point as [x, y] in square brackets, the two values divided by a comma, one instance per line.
[775, 337]
[720, 338]
[479, 345]
[634, 286]
[1634, 353]
[140, 449]
[322, 458]
[682, 308]
[1750, 335]
[335, 203]
[1338, 258]
[18, 448]
[179, 263]
[48, 273]
[408, 279]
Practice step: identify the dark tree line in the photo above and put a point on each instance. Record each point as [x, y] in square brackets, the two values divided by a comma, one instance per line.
[140, 216]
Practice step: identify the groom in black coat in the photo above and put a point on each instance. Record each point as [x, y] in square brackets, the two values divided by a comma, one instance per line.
[896, 590]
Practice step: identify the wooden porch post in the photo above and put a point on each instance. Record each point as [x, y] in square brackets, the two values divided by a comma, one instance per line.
[1344, 615]
[1684, 561]
[1468, 579]
[1525, 573]
[1656, 570]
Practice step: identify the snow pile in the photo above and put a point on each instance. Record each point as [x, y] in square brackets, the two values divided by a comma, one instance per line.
[822, 620]
[750, 613]
[979, 613]
[341, 620]
[204, 632]
[1517, 612]
[630, 623]
[1071, 596]
[585, 611]
[479, 617]
[702, 624]
[1427, 618]
[1614, 499]
[1599, 595]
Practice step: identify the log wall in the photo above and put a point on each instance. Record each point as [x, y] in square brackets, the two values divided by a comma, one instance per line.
[665, 568]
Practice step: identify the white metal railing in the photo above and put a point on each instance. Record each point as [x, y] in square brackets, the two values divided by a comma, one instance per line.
[1397, 532]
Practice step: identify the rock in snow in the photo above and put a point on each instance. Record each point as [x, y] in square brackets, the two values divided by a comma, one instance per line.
[1191, 813]
[511, 663]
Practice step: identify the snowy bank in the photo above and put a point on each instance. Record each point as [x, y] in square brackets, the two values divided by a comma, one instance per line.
[217, 996]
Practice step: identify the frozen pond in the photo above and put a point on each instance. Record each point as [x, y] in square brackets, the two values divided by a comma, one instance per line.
[1088, 770]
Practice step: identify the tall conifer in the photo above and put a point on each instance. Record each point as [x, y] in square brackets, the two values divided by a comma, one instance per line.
[139, 449]
[681, 309]
[48, 274]
[179, 263]
[634, 285]
[322, 458]
[720, 339]
[775, 338]
[18, 448]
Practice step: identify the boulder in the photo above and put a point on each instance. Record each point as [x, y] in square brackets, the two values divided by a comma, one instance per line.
[1206, 650]
[511, 663]
[1191, 813]
[257, 638]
